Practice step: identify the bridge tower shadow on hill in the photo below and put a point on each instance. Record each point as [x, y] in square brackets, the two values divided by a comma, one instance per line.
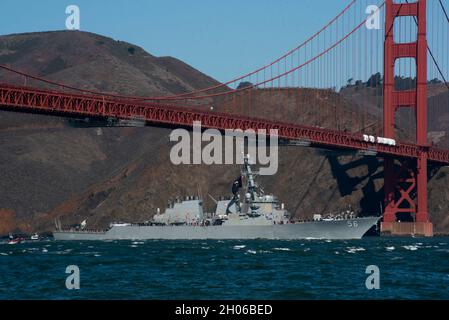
[372, 200]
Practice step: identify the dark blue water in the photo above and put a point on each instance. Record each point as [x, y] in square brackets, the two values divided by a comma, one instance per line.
[410, 268]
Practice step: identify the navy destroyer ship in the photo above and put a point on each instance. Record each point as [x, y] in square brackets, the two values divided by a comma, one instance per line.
[256, 216]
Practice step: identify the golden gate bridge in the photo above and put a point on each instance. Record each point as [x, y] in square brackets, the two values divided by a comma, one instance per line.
[370, 73]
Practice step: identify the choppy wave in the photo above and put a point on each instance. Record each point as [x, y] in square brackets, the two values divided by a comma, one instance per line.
[411, 247]
[269, 266]
[354, 249]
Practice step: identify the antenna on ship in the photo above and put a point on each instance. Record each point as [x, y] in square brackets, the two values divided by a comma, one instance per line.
[200, 196]
[58, 224]
[213, 199]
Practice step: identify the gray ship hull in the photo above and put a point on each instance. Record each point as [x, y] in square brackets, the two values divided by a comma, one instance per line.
[337, 229]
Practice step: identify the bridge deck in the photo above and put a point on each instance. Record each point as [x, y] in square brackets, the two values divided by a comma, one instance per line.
[76, 105]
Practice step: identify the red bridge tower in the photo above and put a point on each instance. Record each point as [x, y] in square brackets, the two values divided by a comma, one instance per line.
[406, 180]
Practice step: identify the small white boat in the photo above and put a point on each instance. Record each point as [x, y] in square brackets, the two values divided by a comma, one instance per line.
[13, 240]
[35, 237]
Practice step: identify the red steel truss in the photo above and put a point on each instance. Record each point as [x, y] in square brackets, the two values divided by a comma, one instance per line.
[73, 105]
[399, 189]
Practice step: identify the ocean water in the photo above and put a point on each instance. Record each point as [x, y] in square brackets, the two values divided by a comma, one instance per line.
[409, 268]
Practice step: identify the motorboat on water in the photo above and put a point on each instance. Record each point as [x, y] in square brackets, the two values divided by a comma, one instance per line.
[14, 240]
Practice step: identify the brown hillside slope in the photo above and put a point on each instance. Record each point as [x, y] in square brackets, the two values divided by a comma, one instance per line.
[49, 169]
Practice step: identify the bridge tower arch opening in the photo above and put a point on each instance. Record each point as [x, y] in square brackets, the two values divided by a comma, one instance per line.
[405, 182]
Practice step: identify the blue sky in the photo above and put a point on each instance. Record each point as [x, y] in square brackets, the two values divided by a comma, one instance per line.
[221, 38]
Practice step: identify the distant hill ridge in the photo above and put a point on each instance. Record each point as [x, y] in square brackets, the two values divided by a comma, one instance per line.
[49, 169]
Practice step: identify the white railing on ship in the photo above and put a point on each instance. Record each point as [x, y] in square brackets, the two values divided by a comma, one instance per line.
[80, 231]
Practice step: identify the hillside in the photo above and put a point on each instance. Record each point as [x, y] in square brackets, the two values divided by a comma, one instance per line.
[50, 169]
[369, 94]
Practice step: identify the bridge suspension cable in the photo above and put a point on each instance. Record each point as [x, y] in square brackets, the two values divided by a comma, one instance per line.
[444, 10]
[218, 86]
[430, 50]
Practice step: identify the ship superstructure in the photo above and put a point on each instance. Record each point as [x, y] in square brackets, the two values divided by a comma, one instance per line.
[257, 215]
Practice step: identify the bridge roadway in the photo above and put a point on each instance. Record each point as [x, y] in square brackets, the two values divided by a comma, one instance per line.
[40, 101]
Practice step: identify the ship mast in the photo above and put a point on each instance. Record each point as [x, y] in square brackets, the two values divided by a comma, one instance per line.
[251, 187]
